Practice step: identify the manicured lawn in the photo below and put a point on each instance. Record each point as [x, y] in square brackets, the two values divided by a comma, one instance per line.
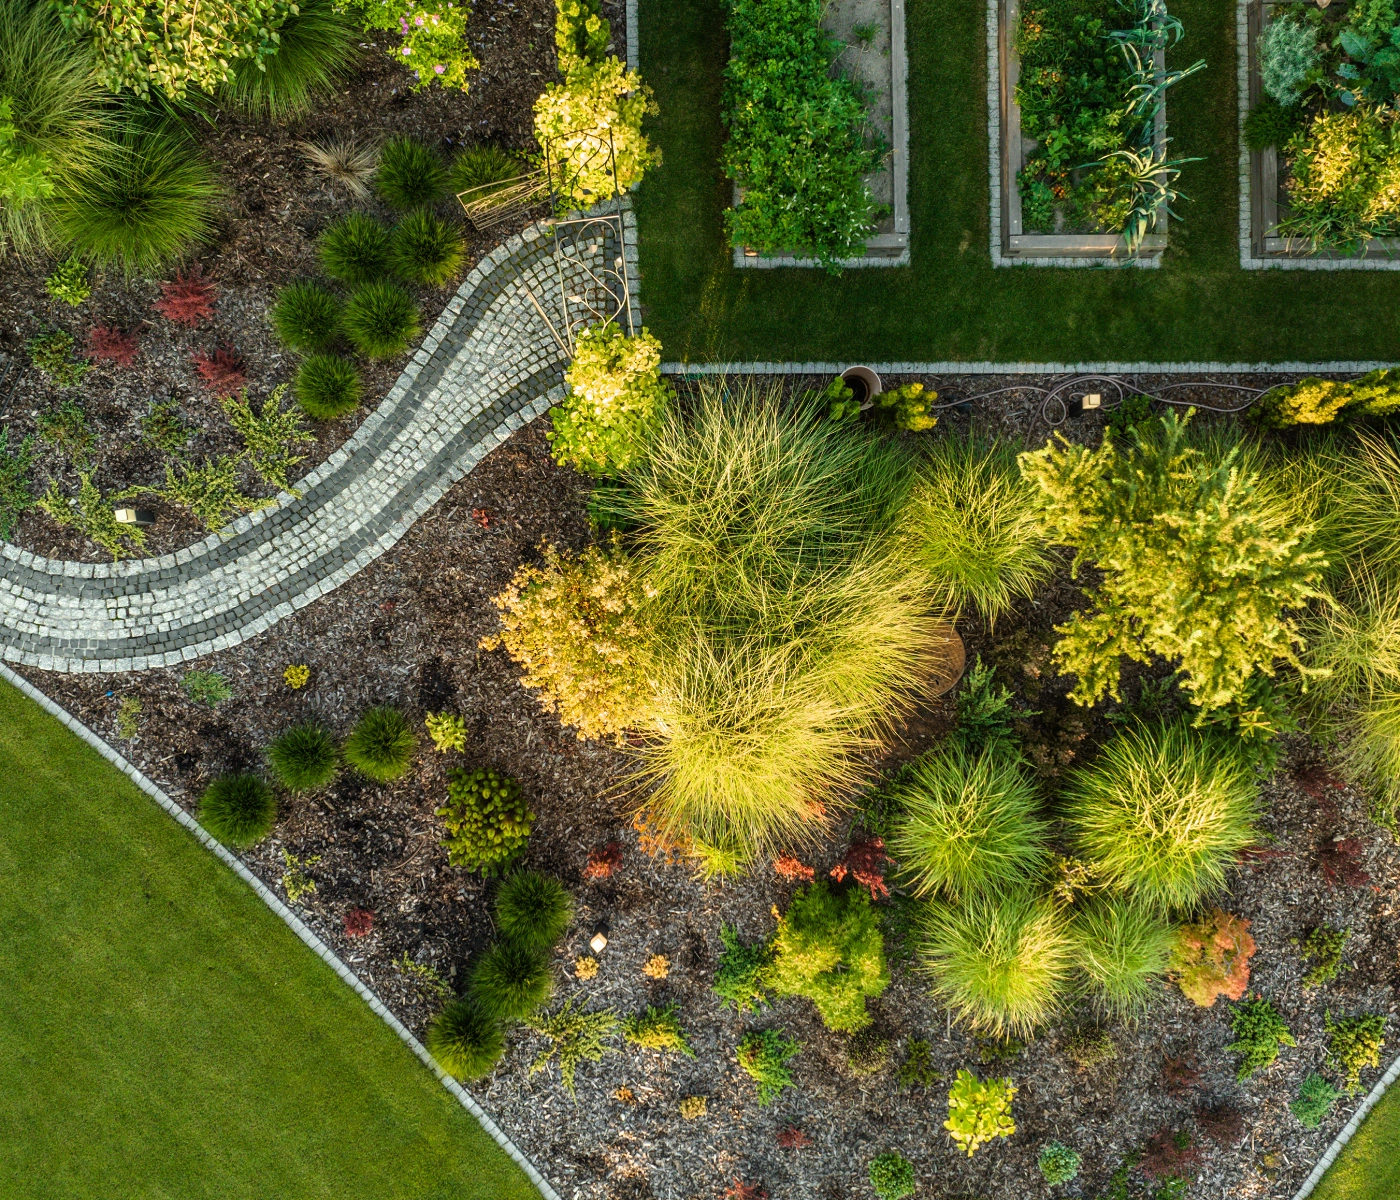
[1369, 1167]
[952, 304]
[162, 1034]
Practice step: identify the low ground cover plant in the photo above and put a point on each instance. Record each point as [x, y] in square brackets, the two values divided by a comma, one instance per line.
[763, 1056]
[1259, 1032]
[1322, 949]
[574, 1036]
[891, 1176]
[979, 1111]
[1058, 1163]
[658, 1029]
[798, 145]
[1315, 1100]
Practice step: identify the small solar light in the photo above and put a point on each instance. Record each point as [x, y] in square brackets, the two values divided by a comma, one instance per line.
[134, 516]
[1082, 404]
[598, 942]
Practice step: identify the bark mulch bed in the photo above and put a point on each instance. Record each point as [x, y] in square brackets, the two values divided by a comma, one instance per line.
[405, 632]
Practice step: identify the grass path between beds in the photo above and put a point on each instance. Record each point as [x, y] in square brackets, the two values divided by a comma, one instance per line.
[163, 1034]
[1369, 1166]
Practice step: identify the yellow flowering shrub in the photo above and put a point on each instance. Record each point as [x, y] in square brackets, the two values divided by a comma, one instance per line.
[298, 675]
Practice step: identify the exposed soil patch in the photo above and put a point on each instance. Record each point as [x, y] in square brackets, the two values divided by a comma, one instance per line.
[405, 632]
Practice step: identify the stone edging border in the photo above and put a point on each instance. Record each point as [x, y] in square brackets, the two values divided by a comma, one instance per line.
[295, 923]
[1026, 368]
[1348, 1130]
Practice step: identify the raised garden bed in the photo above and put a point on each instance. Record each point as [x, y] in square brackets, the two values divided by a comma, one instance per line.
[1264, 175]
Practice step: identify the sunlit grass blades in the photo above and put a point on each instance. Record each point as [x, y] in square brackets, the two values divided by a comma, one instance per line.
[317, 47]
[381, 320]
[1122, 950]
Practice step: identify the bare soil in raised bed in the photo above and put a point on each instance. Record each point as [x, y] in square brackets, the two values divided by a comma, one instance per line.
[405, 631]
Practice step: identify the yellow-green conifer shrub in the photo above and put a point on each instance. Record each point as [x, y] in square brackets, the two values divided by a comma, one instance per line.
[1314, 401]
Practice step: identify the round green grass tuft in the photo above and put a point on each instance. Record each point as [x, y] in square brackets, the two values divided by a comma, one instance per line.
[304, 758]
[327, 387]
[477, 166]
[381, 320]
[381, 745]
[317, 47]
[1122, 950]
[410, 174]
[1162, 812]
[510, 981]
[356, 249]
[1000, 963]
[306, 317]
[427, 249]
[533, 910]
[968, 823]
[238, 809]
[466, 1042]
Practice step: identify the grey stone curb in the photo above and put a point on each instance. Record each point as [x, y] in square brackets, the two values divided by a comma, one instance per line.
[268, 897]
[1027, 368]
[1348, 1130]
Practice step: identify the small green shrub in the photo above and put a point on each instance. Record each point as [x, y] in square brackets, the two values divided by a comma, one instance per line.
[447, 730]
[381, 320]
[304, 758]
[211, 492]
[979, 1111]
[510, 981]
[465, 1040]
[1314, 401]
[165, 429]
[917, 1069]
[410, 174]
[741, 978]
[763, 1056]
[427, 249]
[658, 1029]
[1123, 951]
[238, 809]
[1058, 1163]
[52, 353]
[90, 512]
[968, 824]
[533, 909]
[487, 820]
[16, 495]
[381, 745]
[1269, 124]
[892, 1176]
[207, 687]
[1315, 1099]
[317, 47]
[355, 249]
[327, 387]
[1259, 1032]
[575, 1037]
[1163, 811]
[1288, 54]
[1354, 1043]
[1323, 948]
[480, 166]
[69, 282]
[1090, 1047]
[985, 712]
[972, 525]
[306, 317]
[998, 962]
[868, 1052]
[829, 949]
[65, 427]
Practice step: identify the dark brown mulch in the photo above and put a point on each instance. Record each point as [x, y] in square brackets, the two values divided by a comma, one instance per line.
[406, 631]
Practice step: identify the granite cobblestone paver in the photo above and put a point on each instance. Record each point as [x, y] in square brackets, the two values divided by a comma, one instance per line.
[489, 364]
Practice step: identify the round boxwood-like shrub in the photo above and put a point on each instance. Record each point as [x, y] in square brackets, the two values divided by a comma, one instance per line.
[410, 174]
[356, 249]
[427, 249]
[533, 910]
[303, 758]
[510, 981]
[466, 1041]
[381, 745]
[1058, 1163]
[306, 317]
[381, 320]
[487, 820]
[238, 809]
[327, 387]
[892, 1176]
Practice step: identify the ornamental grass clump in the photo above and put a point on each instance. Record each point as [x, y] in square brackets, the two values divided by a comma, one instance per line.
[410, 174]
[480, 167]
[979, 1111]
[511, 980]
[487, 821]
[533, 909]
[427, 249]
[327, 387]
[355, 249]
[967, 823]
[304, 757]
[381, 320]
[1000, 963]
[306, 317]
[971, 522]
[1162, 812]
[381, 745]
[466, 1041]
[317, 47]
[829, 949]
[1122, 951]
[238, 809]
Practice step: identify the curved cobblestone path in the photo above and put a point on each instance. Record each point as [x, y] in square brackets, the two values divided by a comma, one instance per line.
[489, 365]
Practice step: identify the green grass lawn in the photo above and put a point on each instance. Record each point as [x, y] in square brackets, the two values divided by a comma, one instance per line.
[163, 1034]
[1369, 1167]
[951, 303]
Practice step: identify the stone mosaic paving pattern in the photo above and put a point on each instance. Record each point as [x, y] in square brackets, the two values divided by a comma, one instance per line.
[489, 365]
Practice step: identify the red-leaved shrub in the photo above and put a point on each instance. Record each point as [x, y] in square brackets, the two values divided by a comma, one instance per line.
[788, 867]
[865, 862]
[745, 1191]
[107, 341]
[1341, 862]
[793, 1138]
[223, 371]
[1222, 1123]
[1170, 1152]
[1181, 1075]
[602, 863]
[359, 922]
[189, 300]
